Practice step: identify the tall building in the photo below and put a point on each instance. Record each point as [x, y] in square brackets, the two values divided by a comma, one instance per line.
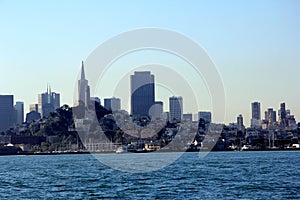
[83, 88]
[19, 107]
[176, 108]
[96, 99]
[283, 115]
[206, 116]
[7, 112]
[112, 104]
[156, 110]
[256, 110]
[270, 116]
[240, 123]
[142, 93]
[48, 102]
[256, 115]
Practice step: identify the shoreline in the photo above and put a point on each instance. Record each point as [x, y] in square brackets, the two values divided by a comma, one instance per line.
[113, 152]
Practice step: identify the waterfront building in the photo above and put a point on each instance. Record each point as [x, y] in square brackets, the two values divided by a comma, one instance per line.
[7, 112]
[48, 102]
[112, 104]
[142, 93]
[205, 115]
[176, 109]
[19, 107]
[83, 88]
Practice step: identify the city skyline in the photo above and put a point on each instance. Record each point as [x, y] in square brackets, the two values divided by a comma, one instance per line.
[255, 45]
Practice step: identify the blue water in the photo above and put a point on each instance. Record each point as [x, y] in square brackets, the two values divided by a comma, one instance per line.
[228, 175]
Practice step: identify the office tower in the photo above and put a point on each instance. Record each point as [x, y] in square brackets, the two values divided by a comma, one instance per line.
[206, 116]
[256, 110]
[187, 117]
[156, 110]
[83, 88]
[270, 116]
[240, 123]
[142, 93]
[112, 104]
[48, 102]
[19, 107]
[283, 118]
[34, 107]
[176, 109]
[256, 115]
[7, 112]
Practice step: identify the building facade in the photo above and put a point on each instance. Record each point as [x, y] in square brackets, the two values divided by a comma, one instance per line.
[205, 115]
[112, 104]
[19, 107]
[48, 102]
[7, 112]
[256, 115]
[142, 93]
[176, 109]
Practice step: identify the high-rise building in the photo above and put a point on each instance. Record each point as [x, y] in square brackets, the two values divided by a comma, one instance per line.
[256, 115]
[176, 109]
[156, 110]
[7, 112]
[283, 114]
[240, 123]
[48, 102]
[112, 104]
[270, 116]
[19, 107]
[256, 110]
[204, 115]
[83, 88]
[142, 93]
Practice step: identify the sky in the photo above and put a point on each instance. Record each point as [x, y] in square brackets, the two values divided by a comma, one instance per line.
[254, 45]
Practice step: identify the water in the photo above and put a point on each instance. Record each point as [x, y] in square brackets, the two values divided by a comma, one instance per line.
[228, 175]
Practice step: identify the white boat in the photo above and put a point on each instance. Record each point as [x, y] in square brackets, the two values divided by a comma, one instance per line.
[121, 150]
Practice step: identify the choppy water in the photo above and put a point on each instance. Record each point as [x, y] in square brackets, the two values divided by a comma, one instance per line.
[228, 175]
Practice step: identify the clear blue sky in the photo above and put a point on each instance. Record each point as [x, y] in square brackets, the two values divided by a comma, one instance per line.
[254, 44]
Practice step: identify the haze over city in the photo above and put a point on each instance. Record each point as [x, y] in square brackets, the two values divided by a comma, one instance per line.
[255, 46]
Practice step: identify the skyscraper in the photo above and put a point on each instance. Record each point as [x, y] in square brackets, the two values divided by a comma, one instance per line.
[48, 102]
[283, 118]
[176, 109]
[7, 112]
[142, 93]
[112, 104]
[83, 88]
[256, 110]
[19, 107]
[270, 116]
[256, 115]
[240, 123]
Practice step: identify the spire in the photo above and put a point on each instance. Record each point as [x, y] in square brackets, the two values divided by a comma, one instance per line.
[82, 71]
